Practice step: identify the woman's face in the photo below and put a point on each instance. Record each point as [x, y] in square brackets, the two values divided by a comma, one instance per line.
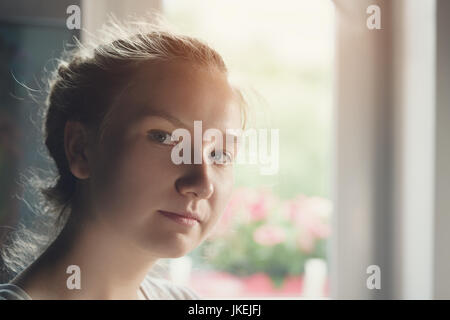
[133, 177]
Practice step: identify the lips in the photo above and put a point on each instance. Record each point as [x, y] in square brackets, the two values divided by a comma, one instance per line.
[188, 215]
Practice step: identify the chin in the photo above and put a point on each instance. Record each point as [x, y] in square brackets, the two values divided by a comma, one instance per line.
[170, 252]
[174, 253]
[170, 246]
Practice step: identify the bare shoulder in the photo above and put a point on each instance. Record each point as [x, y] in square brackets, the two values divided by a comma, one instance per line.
[162, 289]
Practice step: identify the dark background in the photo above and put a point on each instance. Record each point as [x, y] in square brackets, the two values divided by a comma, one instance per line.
[32, 35]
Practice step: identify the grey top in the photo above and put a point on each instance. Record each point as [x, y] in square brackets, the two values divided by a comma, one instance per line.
[9, 291]
[153, 288]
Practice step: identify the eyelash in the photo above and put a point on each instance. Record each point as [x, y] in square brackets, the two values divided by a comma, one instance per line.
[153, 133]
[226, 161]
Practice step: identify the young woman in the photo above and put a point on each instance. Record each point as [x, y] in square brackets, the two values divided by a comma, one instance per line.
[124, 203]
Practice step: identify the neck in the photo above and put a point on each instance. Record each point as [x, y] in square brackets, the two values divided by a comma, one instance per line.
[110, 267]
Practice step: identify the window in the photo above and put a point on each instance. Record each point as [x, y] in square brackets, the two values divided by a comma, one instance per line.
[272, 240]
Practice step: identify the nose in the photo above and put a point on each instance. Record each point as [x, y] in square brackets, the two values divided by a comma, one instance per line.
[196, 182]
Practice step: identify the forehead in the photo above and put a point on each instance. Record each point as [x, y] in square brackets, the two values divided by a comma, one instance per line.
[184, 91]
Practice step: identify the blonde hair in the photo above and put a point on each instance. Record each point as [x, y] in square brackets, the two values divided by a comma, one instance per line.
[81, 88]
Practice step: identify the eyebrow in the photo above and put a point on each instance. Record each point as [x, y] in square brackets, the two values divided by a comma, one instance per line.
[165, 115]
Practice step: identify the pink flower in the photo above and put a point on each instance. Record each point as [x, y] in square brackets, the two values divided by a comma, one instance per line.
[259, 204]
[257, 211]
[269, 235]
[247, 205]
[311, 215]
[306, 242]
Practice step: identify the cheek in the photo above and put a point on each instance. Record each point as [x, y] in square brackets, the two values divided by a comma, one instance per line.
[221, 197]
[134, 177]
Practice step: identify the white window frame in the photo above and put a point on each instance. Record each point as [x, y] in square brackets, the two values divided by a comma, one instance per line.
[392, 150]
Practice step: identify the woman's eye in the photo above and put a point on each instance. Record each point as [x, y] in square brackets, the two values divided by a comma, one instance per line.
[161, 137]
[221, 157]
